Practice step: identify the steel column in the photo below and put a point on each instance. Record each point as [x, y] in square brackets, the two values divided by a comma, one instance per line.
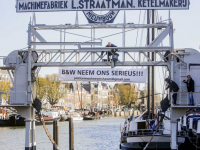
[173, 124]
[28, 130]
[33, 130]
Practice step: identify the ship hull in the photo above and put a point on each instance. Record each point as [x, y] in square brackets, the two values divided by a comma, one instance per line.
[141, 145]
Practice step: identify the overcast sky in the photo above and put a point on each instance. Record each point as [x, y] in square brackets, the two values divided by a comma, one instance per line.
[13, 27]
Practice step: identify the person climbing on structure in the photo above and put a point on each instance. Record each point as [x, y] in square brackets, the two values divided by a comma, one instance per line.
[172, 86]
[112, 52]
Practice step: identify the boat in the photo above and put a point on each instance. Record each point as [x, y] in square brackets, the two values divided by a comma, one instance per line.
[10, 118]
[63, 115]
[48, 117]
[76, 116]
[136, 136]
[93, 116]
[140, 132]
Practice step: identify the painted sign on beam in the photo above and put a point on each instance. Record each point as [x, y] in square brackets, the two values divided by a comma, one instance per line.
[99, 5]
[103, 74]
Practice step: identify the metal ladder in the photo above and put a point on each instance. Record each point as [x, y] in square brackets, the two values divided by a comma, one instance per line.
[183, 96]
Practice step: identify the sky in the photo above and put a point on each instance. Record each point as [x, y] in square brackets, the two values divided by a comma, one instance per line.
[13, 28]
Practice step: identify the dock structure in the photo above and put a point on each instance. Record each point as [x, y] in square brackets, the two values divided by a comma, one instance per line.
[27, 63]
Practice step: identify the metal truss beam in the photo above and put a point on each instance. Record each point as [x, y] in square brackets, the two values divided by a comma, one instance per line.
[66, 43]
[133, 55]
[125, 49]
[160, 37]
[37, 35]
[100, 64]
[98, 26]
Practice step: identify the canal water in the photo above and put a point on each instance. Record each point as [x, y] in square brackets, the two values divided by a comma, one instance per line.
[88, 135]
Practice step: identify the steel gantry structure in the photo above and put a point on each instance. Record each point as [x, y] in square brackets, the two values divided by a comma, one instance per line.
[26, 61]
[89, 56]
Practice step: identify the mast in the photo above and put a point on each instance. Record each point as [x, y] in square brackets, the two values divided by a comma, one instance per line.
[151, 81]
[152, 71]
[149, 74]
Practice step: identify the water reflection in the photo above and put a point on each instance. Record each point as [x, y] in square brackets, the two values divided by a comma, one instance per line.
[88, 135]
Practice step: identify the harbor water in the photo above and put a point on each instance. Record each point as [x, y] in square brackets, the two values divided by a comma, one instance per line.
[88, 135]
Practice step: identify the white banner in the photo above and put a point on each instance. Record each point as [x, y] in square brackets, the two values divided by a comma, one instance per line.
[99, 5]
[103, 74]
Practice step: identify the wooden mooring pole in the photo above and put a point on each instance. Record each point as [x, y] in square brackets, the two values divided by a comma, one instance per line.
[56, 132]
[71, 134]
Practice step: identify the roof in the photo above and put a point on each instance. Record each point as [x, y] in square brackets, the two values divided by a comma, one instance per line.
[86, 86]
[104, 85]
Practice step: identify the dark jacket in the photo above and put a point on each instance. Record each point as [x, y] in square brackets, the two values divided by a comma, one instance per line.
[112, 50]
[190, 85]
[172, 86]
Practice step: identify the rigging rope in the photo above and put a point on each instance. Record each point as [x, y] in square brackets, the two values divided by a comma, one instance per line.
[138, 29]
[48, 133]
[142, 29]
[141, 40]
[72, 33]
[192, 142]
[94, 38]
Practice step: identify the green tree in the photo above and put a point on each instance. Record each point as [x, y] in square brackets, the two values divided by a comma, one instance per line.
[55, 89]
[125, 94]
[41, 87]
[50, 88]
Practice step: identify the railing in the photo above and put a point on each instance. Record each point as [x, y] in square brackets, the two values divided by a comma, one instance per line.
[142, 132]
[183, 99]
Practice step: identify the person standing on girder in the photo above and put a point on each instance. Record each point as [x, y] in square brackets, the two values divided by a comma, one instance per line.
[112, 52]
[190, 87]
[172, 86]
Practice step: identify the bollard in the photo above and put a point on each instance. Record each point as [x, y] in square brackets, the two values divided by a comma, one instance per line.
[116, 114]
[180, 120]
[130, 113]
[71, 134]
[179, 127]
[184, 123]
[55, 132]
[191, 124]
[122, 113]
[126, 113]
[198, 127]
